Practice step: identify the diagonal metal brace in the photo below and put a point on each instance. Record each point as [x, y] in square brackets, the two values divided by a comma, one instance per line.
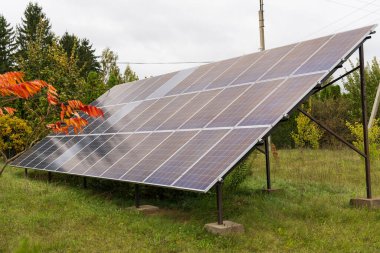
[332, 132]
[261, 151]
[336, 79]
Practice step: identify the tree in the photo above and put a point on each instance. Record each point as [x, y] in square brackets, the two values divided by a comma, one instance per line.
[87, 58]
[83, 51]
[7, 46]
[27, 30]
[14, 87]
[352, 85]
[50, 63]
[129, 75]
[109, 67]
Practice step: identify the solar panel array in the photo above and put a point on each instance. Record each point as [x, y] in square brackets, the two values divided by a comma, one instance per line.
[187, 129]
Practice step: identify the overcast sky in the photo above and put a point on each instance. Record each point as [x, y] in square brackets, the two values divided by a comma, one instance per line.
[198, 30]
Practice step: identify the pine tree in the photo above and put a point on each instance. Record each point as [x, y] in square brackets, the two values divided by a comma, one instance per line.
[27, 30]
[7, 46]
[87, 58]
[83, 51]
[129, 75]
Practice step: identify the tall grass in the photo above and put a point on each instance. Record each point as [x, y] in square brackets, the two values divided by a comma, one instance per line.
[312, 214]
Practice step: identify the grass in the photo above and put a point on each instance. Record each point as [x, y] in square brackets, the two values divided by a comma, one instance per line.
[312, 214]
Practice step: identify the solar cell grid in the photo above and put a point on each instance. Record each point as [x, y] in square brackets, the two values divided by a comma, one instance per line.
[214, 107]
[58, 151]
[333, 51]
[213, 164]
[98, 154]
[188, 110]
[120, 93]
[277, 104]
[218, 69]
[242, 64]
[116, 92]
[120, 112]
[132, 94]
[191, 79]
[154, 86]
[263, 65]
[127, 161]
[146, 115]
[95, 123]
[295, 58]
[28, 154]
[244, 104]
[166, 112]
[185, 157]
[115, 153]
[123, 149]
[159, 155]
[67, 152]
[127, 119]
[82, 154]
[50, 147]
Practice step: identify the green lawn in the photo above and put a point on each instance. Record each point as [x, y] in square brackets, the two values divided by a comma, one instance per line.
[311, 215]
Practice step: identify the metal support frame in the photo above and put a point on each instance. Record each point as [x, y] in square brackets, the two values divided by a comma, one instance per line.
[137, 195]
[26, 172]
[85, 182]
[49, 176]
[336, 79]
[219, 202]
[365, 154]
[267, 163]
[365, 123]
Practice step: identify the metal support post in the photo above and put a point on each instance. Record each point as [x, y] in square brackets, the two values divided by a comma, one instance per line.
[84, 182]
[49, 176]
[267, 163]
[26, 172]
[365, 123]
[219, 202]
[137, 196]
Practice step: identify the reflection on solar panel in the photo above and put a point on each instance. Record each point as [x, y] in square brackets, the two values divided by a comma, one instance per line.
[187, 129]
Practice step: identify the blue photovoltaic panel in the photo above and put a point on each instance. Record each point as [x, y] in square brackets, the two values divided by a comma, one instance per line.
[187, 129]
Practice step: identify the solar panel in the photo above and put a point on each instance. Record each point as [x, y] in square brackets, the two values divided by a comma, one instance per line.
[187, 129]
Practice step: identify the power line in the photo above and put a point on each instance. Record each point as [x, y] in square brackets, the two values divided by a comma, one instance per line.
[163, 63]
[341, 18]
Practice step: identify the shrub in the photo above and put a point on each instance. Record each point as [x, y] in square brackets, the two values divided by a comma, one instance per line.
[240, 173]
[373, 137]
[307, 134]
[14, 135]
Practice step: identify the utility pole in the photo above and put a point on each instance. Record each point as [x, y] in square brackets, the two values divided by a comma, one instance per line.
[262, 44]
[375, 108]
[261, 26]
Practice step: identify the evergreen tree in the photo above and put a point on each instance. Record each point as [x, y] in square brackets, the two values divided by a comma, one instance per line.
[7, 46]
[27, 30]
[82, 49]
[129, 75]
[86, 57]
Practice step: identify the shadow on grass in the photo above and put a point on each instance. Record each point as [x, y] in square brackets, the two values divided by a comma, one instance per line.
[174, 204]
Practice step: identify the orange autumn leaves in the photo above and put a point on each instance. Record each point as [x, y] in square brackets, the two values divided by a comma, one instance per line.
[13, 85]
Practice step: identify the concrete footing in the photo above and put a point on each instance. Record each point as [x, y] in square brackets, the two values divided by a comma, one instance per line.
[363, 202]
[227, 227]
[147, 209]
